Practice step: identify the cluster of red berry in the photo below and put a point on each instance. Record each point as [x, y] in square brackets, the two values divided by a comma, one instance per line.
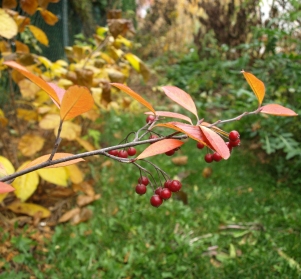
[161, 193]
[131, 151]
[233, 142]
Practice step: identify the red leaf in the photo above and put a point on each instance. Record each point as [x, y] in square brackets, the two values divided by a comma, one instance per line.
[35, 79]
[134, 95]
[172, 114]
[76, 100]
[275, 109]
[256, 84]
[216, 142]
[191, 131]
[181, 97]
[160, 147]
[5, 188]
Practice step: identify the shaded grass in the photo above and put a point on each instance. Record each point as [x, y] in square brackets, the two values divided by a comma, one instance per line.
[127, 238]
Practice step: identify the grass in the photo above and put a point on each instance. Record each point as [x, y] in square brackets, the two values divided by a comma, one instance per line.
[237, 224]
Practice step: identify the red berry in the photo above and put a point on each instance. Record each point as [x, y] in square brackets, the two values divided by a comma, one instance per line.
[216, 157]
[234, 135]
[167, 183]
[150, 118]
[208, 158]
[143, 180]
[114, 152]
[170, 152]
[123, 154]
[200, 145]
[156, 201]
[158, 191]
[165, 194]
[153, 137]
[175, 186]
[140, 189]
[235, 143]
[229, 146]
[131, 151]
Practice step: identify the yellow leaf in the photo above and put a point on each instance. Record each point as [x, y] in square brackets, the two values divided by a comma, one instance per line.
[85, 144]
[256, 84]
[26, 184]
[30, 144]
[46, 62]
[75, 174]
[6, 168]
[30, 209]
[3, 119]
[28, 115]
[39, 34]
[8, 27]
[134, 61]
[70, 131]
[56, 176]
[28, 89]
[50, 121]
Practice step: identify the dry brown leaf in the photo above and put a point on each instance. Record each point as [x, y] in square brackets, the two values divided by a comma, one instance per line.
[180, 160]
[69, 214]
[84, 215]
[29, 6]
[60, 192]
[207, 172]
[83, 200]
[9, 4]
[20, 47]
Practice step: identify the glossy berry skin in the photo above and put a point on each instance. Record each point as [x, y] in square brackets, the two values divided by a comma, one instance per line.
[234, 135]
[229, 146]
[170, 152]
[216, 157]
[156, 201]
[167, 183]
[131, 151]
[175, 186]
[165, 194]
[158, 191]
[140, 189]
[114, 152]
[208, 158]
[123, 154]
[235, 143]
[143, 180]
[200, 145]
[150, 118]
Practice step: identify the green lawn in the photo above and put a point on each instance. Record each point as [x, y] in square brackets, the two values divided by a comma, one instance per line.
[237, 224]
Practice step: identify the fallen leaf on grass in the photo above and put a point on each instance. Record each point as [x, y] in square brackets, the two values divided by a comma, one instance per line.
[69, 214]
[84, 215]
[180, 160]
[28, 209]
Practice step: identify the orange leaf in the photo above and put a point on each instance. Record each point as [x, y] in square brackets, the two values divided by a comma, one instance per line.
[256, 84]
[56, 156]
[181, 97]
[29, 6]
[275, 109]
[191, 131]
[216, 142]
[76, 100]
[5, 188]
[172, 114]
[134, 95]
[35, 79]
[9, 4]
[49, 17]
[160, 147]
